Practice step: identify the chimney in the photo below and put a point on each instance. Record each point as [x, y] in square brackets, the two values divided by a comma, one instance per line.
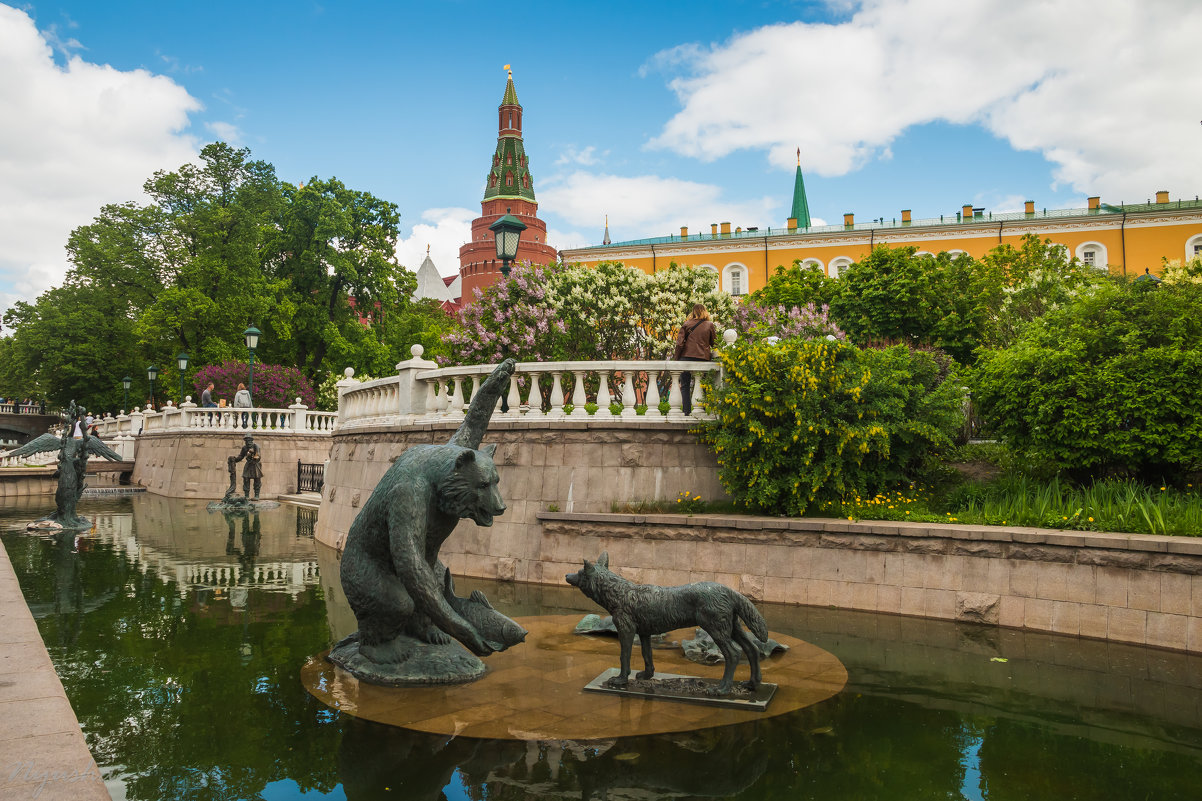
[725, 229]
[792, 223]
[849, 219]
[1029, 206]
[684, 232]
[906, 216]
[714, 230]
[967, 210]
[1162, 196]
[1095, 203]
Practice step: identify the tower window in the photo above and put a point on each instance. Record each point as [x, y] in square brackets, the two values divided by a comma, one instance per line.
[509, 158]
[509, 179]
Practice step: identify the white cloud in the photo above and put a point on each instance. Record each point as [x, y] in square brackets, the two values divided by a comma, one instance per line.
[444, 230]
[225, 131]
[645, 205]
[586, 156]
[73, 138]
[1102, 88]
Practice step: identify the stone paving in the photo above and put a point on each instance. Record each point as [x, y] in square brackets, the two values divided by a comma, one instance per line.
[42, 751]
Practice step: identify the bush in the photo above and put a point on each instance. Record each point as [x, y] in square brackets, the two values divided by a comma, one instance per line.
[803, 422]
[1109, 384]
[276, 386]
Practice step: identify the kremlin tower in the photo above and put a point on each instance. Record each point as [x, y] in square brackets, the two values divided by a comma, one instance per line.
[508, 189]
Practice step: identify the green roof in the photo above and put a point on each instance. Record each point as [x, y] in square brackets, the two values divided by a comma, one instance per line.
[511, 94]
[509, 164]
[801, 208]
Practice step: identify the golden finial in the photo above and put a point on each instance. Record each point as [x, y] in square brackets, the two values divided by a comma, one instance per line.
[509, 69]
[799, 157]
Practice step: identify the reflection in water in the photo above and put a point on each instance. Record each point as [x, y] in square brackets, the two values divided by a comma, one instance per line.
[179, 636]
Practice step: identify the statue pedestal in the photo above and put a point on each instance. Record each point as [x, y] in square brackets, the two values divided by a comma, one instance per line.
[417, 664]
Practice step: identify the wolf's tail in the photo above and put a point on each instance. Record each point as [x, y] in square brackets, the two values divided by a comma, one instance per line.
[750, 616]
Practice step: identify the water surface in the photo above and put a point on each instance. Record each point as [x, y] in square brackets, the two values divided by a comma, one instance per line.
[179, 634]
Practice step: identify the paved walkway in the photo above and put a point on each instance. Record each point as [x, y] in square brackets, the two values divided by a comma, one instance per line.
[43, 755]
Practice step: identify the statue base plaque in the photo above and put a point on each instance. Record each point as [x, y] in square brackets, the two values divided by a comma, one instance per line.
[686, 689]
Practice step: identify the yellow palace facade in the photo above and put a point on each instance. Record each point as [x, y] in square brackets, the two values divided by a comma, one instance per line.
[1124, 239]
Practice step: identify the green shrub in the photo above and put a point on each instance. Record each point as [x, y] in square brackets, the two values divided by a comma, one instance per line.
[1109, 384]
[803, 422]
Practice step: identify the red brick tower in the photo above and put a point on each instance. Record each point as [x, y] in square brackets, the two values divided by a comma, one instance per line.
[508, 189]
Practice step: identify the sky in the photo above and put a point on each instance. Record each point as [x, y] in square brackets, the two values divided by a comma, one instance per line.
[659, 115]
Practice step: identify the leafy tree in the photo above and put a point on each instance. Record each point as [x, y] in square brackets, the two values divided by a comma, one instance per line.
[336, 249]
[800, 286]
[1106, 384]
[894, 295]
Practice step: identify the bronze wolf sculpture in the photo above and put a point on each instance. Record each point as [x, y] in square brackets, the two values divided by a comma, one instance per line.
[645, 609]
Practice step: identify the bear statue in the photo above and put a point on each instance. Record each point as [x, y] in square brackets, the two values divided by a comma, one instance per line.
[401, 594]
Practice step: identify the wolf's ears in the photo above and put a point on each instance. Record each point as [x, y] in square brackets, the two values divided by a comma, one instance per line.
[489, 450]
[603, 560]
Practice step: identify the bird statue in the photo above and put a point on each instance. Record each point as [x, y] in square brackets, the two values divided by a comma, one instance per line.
[74, 447]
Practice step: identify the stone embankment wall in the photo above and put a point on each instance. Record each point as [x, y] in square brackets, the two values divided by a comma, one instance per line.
[20, 481]
[572, 465]
[1123, 587]
[190, 464]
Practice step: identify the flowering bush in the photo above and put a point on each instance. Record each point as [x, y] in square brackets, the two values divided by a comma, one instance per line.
[513, 317]
[800, 422]
[276, 386]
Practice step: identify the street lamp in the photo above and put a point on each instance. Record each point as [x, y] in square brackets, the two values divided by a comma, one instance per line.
[507, 230]
[252, 335]
[152, 373]
[182, 362]
[125, 382]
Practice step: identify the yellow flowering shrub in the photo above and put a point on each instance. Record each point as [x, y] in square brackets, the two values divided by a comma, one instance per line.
[798, 422]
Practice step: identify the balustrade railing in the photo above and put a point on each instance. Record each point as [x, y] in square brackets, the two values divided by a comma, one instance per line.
[296, 419]
[595, 390]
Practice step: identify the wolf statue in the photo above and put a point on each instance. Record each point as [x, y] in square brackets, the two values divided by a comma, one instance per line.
[645, 609]
[400, 592]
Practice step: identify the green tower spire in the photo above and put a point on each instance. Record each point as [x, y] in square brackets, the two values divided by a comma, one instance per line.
[801, 208]
[510, 175]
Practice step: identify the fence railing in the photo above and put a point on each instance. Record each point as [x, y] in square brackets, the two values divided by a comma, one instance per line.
[296, 419]
[537, 390]
[310, 477]
[22, 408]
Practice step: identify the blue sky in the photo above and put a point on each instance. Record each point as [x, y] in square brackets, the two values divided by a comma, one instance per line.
[657, 114]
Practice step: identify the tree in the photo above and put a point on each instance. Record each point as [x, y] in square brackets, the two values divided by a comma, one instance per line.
[336, 250]
[800, 286]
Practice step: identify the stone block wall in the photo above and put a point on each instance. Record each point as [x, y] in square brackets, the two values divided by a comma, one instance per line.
[1128, 588]
[574, 466]
[193, 464]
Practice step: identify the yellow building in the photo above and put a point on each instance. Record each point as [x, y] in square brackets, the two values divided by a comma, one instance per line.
[1125, 239]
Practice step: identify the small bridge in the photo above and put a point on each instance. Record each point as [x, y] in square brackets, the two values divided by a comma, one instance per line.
[20, 423]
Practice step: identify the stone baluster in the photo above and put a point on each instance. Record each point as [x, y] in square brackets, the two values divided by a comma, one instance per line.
[579, 398]
[653, 393]
[674, 400]
[513, 398]
[431, 397]
[603, 396]
[628, 393]
[556, 395]
[697, 411]
[457, 397]
[534, 398]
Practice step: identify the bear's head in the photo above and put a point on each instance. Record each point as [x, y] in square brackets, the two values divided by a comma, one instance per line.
[471, 488]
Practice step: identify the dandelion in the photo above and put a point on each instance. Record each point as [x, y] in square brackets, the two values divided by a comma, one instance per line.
[1091, 519]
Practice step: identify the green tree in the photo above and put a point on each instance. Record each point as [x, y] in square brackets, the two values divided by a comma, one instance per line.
[336, 250]
[798, 286]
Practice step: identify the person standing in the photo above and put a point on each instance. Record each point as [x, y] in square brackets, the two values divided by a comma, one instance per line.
[694, 343]
[242, 401]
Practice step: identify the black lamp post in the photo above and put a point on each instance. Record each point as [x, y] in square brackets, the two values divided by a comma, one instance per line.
[152, 373]
[181, 361]
[252, 335]
[125, 382]
[507, 230]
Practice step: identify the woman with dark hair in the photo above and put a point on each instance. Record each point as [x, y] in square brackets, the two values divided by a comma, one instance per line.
[694, 343]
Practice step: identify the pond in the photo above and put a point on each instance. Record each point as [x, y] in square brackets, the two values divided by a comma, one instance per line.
[179, 636]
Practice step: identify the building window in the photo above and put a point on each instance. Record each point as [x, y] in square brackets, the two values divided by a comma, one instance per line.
[736, 282]
[509, 179]
[812, 264]
[1193, 247]
[1092, 254]
[509, 158]
[837, 266]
